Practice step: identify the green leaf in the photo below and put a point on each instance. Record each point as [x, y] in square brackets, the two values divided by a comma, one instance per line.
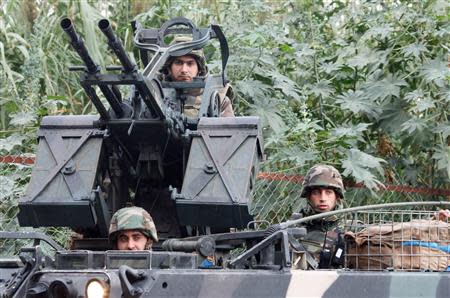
[304, 50]
[57, 97]
[23, 118]
[285, 84]
[286, 48]
[350, 131]
[364, 57]
[329, 68]
[445, 94]
[7, 186]
[443, 128]
[440, 7]
[421, 101]
[252, 88]
[389, 86]
[423, 105]
[322, 88]
[361, 166]
[414, 125]
[90, 16]
[10, 142]
[307, 125]
[24, 51]
[345, 52]
[442, 33]
[16, 37]
[415, 95]
[435, 71]
[394, 115]
[357, 102]
[298, 156]
[268, 111]
[442, 155]
[7, 70]
[414, 49]
[381, 32]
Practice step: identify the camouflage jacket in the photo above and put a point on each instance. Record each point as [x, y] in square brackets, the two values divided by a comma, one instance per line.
[194, 101]
[320, 231]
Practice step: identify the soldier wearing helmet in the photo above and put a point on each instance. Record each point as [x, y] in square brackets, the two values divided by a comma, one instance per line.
[324, 190]
[186, 68]
[132, 228]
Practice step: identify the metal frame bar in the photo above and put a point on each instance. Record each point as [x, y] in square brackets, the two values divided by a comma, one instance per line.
[282, 235]
[31, 235]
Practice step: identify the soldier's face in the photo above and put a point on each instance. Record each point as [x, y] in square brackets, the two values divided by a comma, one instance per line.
[133, 240]
[184, 68]
[323, 199]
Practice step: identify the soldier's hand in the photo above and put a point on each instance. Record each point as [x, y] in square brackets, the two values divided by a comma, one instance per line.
[442, 215]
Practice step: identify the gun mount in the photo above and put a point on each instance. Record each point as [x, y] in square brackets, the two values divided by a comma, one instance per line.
[141, 148]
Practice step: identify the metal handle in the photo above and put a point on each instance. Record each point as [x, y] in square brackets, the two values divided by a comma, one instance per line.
[128, 276]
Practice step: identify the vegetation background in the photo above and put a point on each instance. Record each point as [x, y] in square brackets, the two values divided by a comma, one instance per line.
[362, 85]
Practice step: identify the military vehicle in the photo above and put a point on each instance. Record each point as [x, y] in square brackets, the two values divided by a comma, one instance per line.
[195, 176]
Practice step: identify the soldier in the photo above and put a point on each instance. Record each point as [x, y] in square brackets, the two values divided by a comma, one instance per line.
[324, 190]
[186, 68]
[132, 228]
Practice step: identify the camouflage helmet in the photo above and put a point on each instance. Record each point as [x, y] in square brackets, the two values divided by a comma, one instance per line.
[325, 176]
[132, 218]
[197, 54]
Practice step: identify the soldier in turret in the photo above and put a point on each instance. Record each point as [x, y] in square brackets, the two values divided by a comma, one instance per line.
[132, 228]
[324, 190]
[186, 68]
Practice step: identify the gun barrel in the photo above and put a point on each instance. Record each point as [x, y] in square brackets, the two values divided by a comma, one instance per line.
[204, 245]
[116, 45]
[111, 94]
[77, 43]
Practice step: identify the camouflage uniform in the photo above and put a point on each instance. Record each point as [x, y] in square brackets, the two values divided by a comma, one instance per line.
[321, 231]
[194, 96]
[132, 218]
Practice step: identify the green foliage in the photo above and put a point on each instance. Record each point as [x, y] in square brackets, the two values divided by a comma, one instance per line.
[442, 155]
[359, 165]
[363, 70]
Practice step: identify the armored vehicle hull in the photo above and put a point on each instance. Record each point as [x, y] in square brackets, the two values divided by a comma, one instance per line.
[258, 283]
[388, 253]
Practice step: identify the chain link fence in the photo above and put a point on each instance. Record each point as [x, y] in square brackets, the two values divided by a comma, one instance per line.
[276, 196]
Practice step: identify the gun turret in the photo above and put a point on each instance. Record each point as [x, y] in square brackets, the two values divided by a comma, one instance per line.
[193, 174]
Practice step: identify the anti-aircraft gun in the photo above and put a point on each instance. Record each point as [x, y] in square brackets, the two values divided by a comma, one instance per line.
[193, 174]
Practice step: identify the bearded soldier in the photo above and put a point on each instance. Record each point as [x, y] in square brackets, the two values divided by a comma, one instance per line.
[132, 228]
[187, 67]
